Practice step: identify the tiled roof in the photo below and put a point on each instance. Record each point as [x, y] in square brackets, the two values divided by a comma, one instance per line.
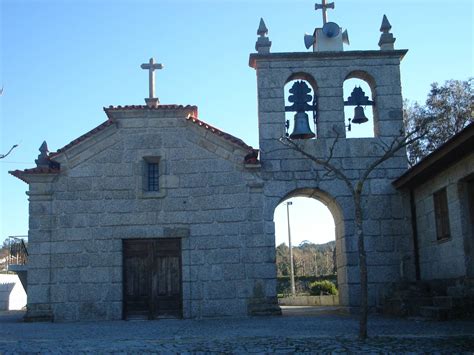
[456, 148]
[251, 158]
[220, 133]
[145, 107]
[93, 131]
[21, 173]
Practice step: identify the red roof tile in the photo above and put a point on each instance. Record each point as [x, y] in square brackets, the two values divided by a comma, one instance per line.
[21, 173]
[251, 158]
[145, 107]
[220, 133]
[93, 131]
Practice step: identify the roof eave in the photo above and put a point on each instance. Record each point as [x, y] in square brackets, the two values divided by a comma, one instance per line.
[455, 149]
[29, 175]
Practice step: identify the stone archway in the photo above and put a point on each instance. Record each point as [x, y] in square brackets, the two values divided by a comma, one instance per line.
[337, 215]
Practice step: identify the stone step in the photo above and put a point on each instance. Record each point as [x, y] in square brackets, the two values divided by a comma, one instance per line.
[411, 287]
[406, 294]
[394, 306]
[31, 318]
[413, 305]
[435, 313]
[445, 301]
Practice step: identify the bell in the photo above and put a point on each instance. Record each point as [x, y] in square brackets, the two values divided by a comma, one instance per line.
[301, 129]
[359, 116]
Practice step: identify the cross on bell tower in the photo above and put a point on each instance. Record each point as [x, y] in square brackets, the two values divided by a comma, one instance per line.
[324, 6]
[151, 101]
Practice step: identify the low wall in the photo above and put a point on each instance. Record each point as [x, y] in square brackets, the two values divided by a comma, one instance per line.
[309, 301]
[12, 294]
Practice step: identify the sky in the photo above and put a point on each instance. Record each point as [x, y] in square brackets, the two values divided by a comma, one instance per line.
[62, 61]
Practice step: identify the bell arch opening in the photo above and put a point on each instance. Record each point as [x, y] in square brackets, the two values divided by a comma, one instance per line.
[313, 222]
[301, 96]
[360, 110]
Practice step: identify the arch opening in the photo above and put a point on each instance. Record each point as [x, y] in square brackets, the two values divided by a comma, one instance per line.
[313, 221]
[364, 81]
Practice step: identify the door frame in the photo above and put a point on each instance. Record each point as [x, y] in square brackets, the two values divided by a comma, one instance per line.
[151, 305]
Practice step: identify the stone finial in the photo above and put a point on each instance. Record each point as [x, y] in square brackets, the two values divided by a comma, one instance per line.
[386, 26]
[386, 40]
[263, 43]
[262, 28]
[43, 159]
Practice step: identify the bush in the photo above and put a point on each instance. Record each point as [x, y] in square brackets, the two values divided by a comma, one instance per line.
[302, 283]
[324, 287]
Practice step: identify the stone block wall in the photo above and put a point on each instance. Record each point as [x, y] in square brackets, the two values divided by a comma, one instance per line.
[207, 198]
[450, 258]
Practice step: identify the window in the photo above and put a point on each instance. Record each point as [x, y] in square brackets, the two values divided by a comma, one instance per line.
[153, 176]
[441, 214]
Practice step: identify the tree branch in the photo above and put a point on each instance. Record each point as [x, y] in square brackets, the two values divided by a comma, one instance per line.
[393, 148]
[5, 155]
[330, 168]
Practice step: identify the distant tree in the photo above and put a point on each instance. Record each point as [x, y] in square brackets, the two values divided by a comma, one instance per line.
[447, 111]
[309, 259]
[282, 260]
[3, 254]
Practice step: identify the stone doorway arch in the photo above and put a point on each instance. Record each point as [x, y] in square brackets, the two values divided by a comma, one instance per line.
[337, 214]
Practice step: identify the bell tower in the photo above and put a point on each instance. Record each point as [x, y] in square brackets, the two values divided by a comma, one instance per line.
[315, 94]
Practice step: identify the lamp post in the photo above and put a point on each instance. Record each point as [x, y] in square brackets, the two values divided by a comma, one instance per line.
[292, 272]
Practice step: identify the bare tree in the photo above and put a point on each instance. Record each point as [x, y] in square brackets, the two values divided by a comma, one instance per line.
[5, 155]
[388, 150]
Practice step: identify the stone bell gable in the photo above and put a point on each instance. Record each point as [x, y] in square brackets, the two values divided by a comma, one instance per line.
[91, 195]
[318, 97]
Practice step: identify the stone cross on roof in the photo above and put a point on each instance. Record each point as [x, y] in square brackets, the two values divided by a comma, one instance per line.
[324, 7]
[151, 101]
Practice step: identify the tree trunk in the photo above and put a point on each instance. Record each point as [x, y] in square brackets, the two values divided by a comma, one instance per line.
[362, 266]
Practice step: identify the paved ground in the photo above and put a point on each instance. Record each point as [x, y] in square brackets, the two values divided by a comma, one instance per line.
[314, 330]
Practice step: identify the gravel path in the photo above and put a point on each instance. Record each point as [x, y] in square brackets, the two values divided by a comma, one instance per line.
[320, 332]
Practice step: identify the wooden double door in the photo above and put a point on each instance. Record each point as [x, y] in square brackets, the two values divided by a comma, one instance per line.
[152, 278]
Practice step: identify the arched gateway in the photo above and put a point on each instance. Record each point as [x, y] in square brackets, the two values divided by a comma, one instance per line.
[338, 217]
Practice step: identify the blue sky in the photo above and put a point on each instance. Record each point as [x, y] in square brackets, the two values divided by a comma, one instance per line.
[62, 61]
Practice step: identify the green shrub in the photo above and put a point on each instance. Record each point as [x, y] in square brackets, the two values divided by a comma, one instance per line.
[301, 283]
[324, 287]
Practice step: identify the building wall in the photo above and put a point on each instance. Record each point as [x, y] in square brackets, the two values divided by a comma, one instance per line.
[287, 173]
[12, 293]
[209, 200]
[447, 258]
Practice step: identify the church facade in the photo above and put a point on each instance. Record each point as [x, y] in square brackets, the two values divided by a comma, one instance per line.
[155, 213]
[149, 189]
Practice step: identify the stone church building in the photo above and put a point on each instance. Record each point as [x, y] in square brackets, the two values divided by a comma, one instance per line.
[156, 213]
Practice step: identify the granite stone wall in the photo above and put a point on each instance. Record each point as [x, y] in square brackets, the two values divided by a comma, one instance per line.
[207, 197]
[287, 173]
[449, 258]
